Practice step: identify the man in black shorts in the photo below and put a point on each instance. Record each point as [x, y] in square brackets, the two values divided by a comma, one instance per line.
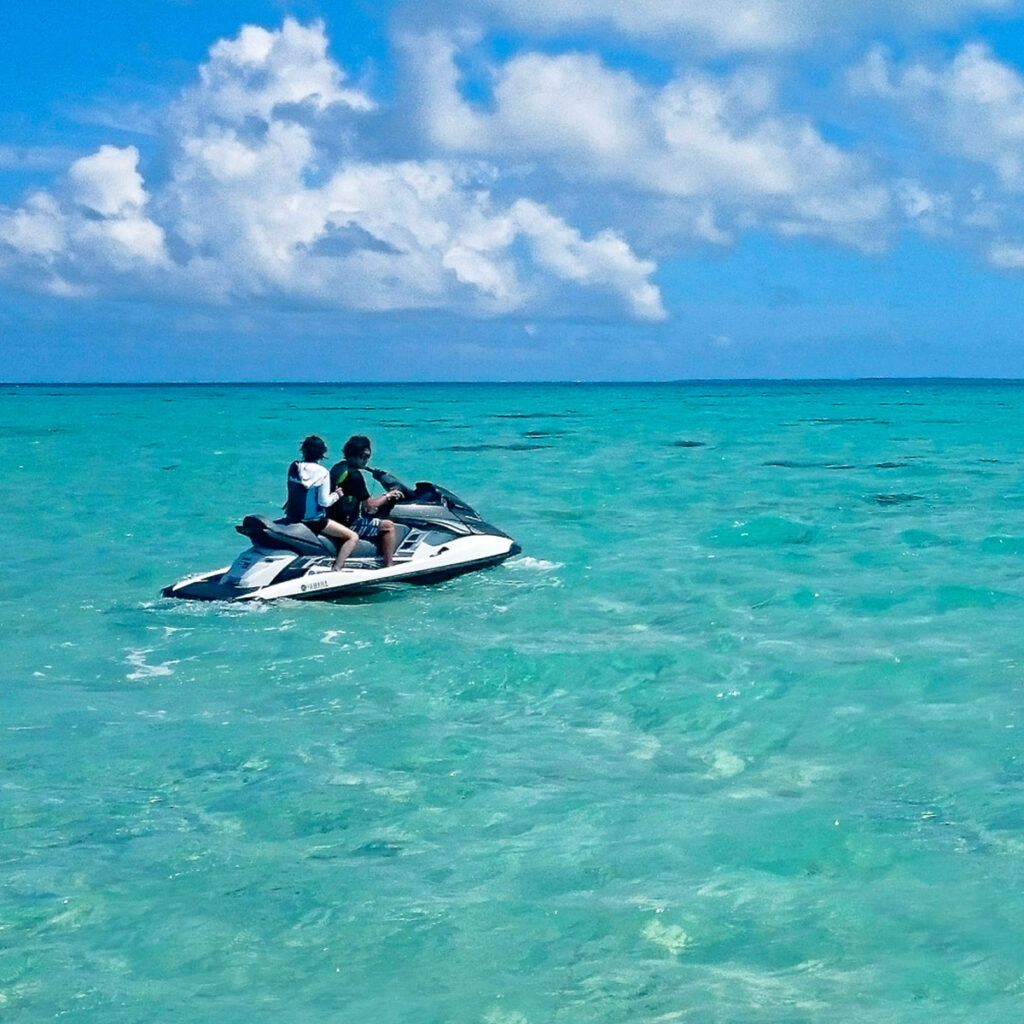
[356, 508]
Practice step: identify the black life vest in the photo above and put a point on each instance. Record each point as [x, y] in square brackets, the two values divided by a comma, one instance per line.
[348, 507]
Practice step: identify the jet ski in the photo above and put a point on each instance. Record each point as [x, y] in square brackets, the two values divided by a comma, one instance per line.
[437, 536]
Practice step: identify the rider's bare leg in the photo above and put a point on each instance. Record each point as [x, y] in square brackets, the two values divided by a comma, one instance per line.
[387, 541]
[348, 540]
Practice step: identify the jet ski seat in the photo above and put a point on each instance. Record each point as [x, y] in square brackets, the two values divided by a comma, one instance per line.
[281, 535]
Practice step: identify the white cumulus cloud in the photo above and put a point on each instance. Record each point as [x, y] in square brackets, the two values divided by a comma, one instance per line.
[101, 228]
[258, 203]
[718, 143]
[261, 70]
[108, 182]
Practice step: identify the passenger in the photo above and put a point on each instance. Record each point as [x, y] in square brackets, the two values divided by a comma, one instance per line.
[310, 496]
[357, 508]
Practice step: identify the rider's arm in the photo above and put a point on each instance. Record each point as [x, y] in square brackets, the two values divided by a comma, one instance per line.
[327, 496]
[373, 504]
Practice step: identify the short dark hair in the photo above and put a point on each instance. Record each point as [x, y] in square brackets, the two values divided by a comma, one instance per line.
[314, 448]
[356, 445]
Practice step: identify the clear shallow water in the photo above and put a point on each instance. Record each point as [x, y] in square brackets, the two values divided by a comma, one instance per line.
[753, 756]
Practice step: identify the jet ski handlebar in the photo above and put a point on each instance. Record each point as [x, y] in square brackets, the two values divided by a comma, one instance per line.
[390, 482]
[424, 492]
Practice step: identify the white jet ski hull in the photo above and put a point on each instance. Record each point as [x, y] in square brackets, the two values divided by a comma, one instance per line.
[320, 582]
[437, 540]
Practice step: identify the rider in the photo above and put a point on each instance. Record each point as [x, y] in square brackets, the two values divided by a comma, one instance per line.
[310, 495]
[356, 508]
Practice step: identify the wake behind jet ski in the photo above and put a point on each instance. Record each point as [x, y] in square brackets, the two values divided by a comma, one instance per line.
[438, 536]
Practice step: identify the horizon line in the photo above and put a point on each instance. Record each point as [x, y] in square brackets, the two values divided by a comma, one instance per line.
[939, 378]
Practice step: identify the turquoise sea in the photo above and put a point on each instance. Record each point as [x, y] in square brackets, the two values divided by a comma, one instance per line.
[737, 738]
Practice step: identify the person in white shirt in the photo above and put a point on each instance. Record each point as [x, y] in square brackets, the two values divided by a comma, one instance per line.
[310, 496]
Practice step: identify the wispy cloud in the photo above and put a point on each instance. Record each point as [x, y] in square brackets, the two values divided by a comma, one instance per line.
[967, 112]
[736, 25]
[34, 158]
[971, 105]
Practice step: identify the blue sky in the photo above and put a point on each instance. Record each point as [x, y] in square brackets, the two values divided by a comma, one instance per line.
[509, 189]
